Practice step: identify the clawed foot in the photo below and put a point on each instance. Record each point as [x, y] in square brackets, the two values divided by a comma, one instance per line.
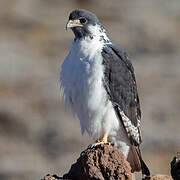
[91, 146]
[103, 140]
[98, 143]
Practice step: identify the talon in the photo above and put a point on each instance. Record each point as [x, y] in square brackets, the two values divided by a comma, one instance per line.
[103, 143]
[103, 140]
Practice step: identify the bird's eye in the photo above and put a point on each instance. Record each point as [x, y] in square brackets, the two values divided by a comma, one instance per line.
[83, 20]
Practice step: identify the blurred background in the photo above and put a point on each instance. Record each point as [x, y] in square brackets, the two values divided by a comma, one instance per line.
[37, 134]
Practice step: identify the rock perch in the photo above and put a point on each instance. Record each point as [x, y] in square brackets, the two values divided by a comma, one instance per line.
[102, 162]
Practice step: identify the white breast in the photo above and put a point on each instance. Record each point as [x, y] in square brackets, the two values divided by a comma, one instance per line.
[81, 78]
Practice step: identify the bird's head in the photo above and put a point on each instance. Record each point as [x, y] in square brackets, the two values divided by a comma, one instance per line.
[84, 23]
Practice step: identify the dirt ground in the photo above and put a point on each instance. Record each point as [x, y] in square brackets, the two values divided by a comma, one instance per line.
[37, 134]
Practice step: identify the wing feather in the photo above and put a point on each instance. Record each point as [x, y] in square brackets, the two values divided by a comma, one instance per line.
[120, 84]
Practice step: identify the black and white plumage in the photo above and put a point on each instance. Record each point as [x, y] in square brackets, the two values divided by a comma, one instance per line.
[99, 86]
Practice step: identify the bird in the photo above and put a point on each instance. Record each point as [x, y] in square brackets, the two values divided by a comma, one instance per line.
[99, 86]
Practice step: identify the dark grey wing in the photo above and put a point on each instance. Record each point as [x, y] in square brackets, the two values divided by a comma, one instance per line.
[120, 84]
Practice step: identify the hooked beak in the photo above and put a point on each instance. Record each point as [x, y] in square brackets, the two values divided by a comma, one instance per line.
[73, 23]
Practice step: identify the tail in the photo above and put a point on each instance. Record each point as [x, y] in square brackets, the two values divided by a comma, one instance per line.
[137, 163]
[134, 160]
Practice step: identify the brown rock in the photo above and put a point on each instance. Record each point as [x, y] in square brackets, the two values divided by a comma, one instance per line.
[102, 162]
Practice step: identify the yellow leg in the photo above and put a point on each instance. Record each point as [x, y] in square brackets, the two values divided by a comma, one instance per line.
[102, 140]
